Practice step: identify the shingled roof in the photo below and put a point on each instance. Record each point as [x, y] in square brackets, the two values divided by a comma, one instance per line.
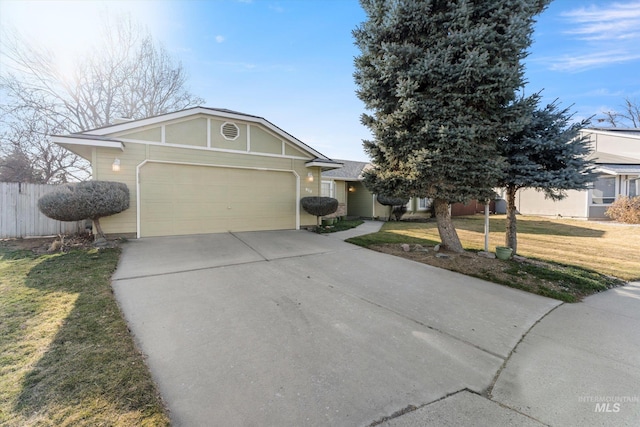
[350, 171]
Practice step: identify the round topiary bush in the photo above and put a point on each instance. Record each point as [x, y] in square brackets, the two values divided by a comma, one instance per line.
[85, 200]
[392, 201]
[398, 204]
[319, 206]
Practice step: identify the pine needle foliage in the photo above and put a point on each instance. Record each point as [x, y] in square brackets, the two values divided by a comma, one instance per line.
[437, 77]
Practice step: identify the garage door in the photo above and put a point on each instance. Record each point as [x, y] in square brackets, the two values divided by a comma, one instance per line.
[180, 199]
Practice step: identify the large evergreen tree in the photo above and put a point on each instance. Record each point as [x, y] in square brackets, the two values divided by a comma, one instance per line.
[438, 77]
[548, 155]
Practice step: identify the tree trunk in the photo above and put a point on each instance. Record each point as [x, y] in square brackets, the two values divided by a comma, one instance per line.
[447, 231]
[99, 232]
[511, 235]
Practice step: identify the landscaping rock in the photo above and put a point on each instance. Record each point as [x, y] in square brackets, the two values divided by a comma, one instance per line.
[519, 258]
[436, 248]
[443, 256]
[405, 247]
[485, 254]
[420, 248]
[101, 243]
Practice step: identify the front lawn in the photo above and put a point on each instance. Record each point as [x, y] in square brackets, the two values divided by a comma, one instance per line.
[593, 250]
[67, 357]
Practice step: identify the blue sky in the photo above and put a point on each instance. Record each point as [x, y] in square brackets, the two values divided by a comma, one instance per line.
[291, 61]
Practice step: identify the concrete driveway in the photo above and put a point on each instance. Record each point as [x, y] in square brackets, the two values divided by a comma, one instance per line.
[291, 328]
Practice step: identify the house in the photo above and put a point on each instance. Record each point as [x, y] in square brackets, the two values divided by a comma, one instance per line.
[202, 170]
[616, 153]
[345, 184]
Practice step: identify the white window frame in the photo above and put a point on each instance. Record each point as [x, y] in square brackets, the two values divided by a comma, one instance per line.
[421, 201]
[332, 189]
[616, 191]
[629, 184]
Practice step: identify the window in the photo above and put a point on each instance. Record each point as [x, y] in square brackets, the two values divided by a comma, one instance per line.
[634, 187]
[604, 190]
[423, 204]
[327, 189]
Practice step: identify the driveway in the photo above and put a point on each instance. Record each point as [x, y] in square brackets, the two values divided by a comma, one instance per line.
[291, 328]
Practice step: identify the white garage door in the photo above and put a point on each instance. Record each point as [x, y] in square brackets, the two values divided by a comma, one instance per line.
[181, 199]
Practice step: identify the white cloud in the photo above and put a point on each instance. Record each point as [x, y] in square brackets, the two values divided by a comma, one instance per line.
[577, 63]
[610, 35]
[219, 39]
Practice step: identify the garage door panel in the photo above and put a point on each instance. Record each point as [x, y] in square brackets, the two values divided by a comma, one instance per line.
[181, 199]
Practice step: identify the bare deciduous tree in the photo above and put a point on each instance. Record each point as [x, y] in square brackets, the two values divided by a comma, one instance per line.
[629, 116]
[127, 75]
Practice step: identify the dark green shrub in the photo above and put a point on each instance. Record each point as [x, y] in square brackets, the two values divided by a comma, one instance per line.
[85, 200]
[398, 204]
[625, 209]
[319, 206]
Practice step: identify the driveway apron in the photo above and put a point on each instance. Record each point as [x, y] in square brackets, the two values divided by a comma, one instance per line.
[291, 328]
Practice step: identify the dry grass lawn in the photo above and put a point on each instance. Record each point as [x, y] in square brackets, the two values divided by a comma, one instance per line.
[608, 248]
[66, 356]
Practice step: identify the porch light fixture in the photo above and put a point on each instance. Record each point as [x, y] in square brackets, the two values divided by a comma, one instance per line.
[352, 189]
[115, 166]
[310, 177]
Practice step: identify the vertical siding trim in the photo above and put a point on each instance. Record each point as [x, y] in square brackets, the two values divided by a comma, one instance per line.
[248, 137]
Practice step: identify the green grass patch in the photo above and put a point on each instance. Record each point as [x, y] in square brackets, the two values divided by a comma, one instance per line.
[383, 237]
[66, 355]
[339, 226]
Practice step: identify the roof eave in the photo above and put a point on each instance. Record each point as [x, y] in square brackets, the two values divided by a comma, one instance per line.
[83, 146]
[323, 164]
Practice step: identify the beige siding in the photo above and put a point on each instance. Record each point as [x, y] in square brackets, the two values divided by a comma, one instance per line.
[532, 202]
[151, 135]
[190, 132]
[341, 191]
[618, 145]
[135, 154]
[264, 142]
[360, 201]
[291, 151]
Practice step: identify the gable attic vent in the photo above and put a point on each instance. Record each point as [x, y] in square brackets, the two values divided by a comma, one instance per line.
[230, 131]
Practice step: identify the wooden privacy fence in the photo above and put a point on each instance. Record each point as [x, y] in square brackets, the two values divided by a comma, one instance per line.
[20, 216]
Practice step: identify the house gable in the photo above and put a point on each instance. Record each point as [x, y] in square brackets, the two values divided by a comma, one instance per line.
[216, 133]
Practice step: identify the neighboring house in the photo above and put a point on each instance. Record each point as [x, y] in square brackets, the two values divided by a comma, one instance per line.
[345, 184]
[202, 170]
[617, 156]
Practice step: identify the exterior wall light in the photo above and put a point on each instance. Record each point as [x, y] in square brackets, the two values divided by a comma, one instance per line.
[115, 166]
[352, 189]
[310, 177]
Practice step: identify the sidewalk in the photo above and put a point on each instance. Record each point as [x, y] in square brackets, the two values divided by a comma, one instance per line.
[579, 365]
[368, 227]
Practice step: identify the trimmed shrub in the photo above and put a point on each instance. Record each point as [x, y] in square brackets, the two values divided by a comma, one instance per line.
[398, 204]
[625, 209]
[86, 200]
[319, 206]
